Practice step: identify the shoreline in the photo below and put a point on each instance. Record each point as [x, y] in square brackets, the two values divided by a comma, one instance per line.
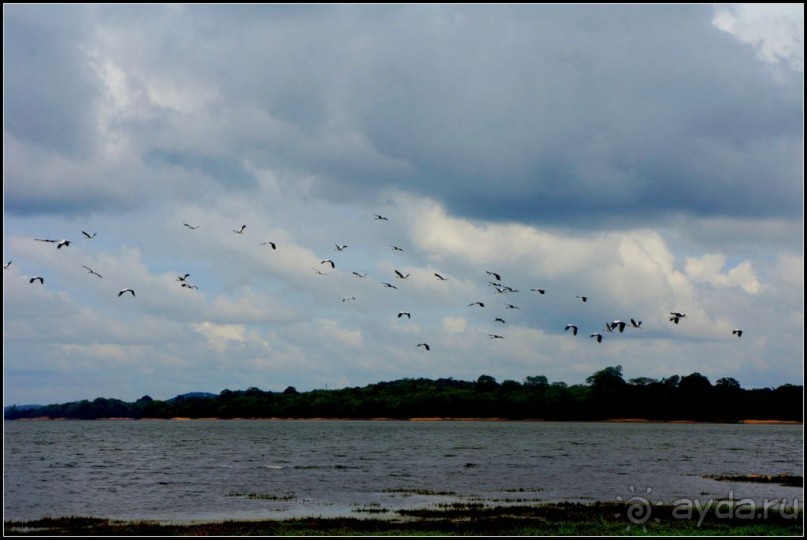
[424, 419]
[560, 519]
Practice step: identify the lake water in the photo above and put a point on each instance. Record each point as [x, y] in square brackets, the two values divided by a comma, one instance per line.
[255, 469]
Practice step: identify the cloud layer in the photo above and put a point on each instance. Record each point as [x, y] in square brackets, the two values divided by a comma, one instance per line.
[649, 157]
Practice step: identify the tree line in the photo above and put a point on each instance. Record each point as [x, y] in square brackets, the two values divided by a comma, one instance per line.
[606, 395]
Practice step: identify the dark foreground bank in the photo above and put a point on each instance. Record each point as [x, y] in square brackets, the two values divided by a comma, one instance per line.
[565, 519]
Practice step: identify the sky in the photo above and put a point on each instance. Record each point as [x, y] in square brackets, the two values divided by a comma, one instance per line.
[647, 157]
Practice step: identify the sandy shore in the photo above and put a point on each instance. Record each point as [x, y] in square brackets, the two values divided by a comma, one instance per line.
[430, 419]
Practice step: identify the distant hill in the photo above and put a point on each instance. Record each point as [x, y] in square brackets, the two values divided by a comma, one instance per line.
[21, 407]
[192, 395]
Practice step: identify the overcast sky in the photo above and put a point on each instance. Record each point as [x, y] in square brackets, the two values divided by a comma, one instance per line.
[647, 157]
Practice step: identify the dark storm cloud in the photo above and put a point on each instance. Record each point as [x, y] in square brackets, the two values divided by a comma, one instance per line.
[569, 115]
[47, 87]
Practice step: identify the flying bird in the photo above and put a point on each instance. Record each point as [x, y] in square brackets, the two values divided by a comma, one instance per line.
[59, 243]
[494, 274]
[188, 286]
[539, 291]
[88, 235]
[676, 316]
[618, 324]
[738, 332]
[583, 298]
[348, 298]
[598, 336]
[359, 275]
[192, 227]
[402, 313]
[480, 304]
[340, 248]
[424, 345]
[499, 319]
[380, 217]
[241, 230]
[573, 327]
[390, 285]
[495, 336]
[91, 271]
[395, 248]
[333, 265]
[319, 272]
[400, 275]
[125, 291]
[183, 278]
[41, 280]
[274, 246]
[441, 278]
[5, 266]
[635, 324]
[510, 306]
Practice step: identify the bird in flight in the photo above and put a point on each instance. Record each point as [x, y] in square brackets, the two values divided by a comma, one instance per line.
[583, 298]
[598, 336]
[348, 298]
[192, 227]
[424, 345]
[188, 286]
[380, 217]
[41, 280]
[340, 247]
[400, 275]
[676, 316]
[333, 265]
[495, 336]
[88, 235]
[125, 291]
[5, 266]
[59, 243]
[359, 275]
[183, 278]
[395, 248]
[573, 327]
[241, 230]
[402, 313]
[274, 246]
[539, 291]
[737, 332]
[480, 304]
[498, 319]
[390, 285]
[618, 324]
[494, 274]
[441, 278]
[91, 271]
[635, 324]
[510, 306]
[319, 273]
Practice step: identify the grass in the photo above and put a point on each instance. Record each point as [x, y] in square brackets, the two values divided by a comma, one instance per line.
[562, 519]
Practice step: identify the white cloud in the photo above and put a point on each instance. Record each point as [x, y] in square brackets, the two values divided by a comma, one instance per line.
[707, 269]
[775, 30]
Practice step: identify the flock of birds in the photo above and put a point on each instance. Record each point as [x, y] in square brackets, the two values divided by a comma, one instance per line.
[616, 325]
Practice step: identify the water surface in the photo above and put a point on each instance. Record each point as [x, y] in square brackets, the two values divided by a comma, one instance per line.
[255, 469]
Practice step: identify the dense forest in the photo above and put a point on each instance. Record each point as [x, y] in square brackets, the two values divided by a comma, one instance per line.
[605, 395]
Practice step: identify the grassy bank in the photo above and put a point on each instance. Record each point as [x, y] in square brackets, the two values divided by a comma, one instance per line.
[603, 519]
